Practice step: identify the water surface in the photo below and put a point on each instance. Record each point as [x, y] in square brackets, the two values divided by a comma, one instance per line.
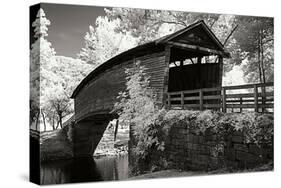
[85, 170]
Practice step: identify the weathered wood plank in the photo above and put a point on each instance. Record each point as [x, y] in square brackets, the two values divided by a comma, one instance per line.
[182, 100]
[201, 99]
[223, 100]
[244, 95]
[113, 80]
[191, 98]
[256, 105]
[212, 106]
[248, 86]
[212, 97]
[194, 47]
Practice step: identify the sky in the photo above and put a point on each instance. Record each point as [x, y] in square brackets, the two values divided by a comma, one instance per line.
[69, 24]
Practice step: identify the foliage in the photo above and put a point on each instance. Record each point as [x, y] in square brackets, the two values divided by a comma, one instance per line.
[137, 109]
[148, 25]
[41, 56]
[257, 128]
[255, 37]
[40, 24]
[103, 43]
[53, 78]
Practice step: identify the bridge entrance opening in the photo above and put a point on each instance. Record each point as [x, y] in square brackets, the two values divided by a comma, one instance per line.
[191, 70]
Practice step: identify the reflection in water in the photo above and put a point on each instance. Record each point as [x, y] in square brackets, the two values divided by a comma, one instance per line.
[85, 170]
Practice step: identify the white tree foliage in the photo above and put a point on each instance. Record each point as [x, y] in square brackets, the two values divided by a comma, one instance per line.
[53, 78]
[102, 42]
[41, 56]
[41, 24]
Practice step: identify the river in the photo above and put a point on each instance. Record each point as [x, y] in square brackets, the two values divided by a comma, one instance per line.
[85, 170]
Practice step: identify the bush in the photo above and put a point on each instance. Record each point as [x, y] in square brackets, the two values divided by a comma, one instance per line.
[257, 127]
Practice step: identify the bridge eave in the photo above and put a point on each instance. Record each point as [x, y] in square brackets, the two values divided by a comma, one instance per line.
[97, 115]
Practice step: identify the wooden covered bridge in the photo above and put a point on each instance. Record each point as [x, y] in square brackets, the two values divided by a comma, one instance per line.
[185, 69]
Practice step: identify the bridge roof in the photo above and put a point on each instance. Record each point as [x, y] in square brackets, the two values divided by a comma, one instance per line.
[196, 37]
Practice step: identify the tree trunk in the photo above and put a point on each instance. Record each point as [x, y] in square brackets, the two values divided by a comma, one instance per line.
[57, 124]
[263, 72]
[60, 120]
[44, 122]
[53, 122]
[37, 120]
[262, 61]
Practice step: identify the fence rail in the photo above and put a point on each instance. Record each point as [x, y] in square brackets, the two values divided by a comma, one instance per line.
[258, 97]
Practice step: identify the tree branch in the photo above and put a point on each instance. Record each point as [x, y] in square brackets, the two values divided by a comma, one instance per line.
[269, 40]
[180, 21]
[211, 26]
[225, 41]
[168, 22]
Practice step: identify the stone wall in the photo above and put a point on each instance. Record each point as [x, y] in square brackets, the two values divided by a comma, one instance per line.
[187, 150]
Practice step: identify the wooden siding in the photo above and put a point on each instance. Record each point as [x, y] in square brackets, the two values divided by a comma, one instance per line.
[99, 95]
[197, 36]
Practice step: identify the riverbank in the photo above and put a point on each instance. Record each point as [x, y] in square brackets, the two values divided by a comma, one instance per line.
[116, 151]
[55, 145]
[110, 147]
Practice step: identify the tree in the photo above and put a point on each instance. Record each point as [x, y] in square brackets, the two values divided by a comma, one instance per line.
[69, 73]
[41, 54]
[136, 108]
[53, 78]
[103, 43]
[147, 25]
[248, 39]
[137, 102]
[256, 41]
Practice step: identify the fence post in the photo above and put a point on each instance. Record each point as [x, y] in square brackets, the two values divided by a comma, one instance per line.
[263, 94]
[182, 100]
[169, 101]
[201, 99]
[241, 102]
[223, 100]
[256, 98]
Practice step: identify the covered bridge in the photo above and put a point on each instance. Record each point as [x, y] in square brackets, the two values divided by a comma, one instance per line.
[189, 59]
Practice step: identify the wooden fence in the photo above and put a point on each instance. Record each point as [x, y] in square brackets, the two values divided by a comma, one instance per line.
[255, 97]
